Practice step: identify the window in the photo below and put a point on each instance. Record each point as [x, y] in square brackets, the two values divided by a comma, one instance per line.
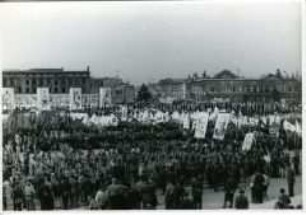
[55, 82]
[55, 90]
[63, 90]
[212, 89]
[34, 82]
[19, 90]
[4, 82]
[27, 90]
[289, 89]
[27, 82]
[234, 89]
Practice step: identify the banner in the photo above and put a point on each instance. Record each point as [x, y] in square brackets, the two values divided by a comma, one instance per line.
[124, 113]
[248, 141]
[75, 98]
[8, 98]
[43, 99]
[289, 127]
[201, 126]
[221, 126]
[186, 122]
[105, 98]
[298, 128]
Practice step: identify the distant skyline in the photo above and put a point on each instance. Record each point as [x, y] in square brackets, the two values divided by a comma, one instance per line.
[146, 42]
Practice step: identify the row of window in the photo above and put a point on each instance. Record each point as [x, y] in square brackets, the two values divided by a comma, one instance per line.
[33, 90]
[43, 81]
[246, 89]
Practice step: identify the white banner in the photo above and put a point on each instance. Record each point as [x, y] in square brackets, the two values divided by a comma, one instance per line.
[248, 141]
[186, 122]
[124, 113]
[221, 126]
[8, 98]
[105, 97]
[201, 125]
[289, 127]
[298, 128]
[75, 98]
[43, 98]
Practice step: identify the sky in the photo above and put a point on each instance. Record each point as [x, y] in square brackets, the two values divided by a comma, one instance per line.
[149, 41]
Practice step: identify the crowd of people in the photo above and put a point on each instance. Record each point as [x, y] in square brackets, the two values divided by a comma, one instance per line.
[138, 166]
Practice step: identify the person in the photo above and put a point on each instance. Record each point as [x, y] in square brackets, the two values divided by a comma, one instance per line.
[17, 196]
[169, 196]
[92, 203]
[296, 163]
[46, 196]
[101, 198]
[284, 200]
[266, 186]
[29, 194]
[290, 180]
[6, 193]
[197, 190]
[230, 187]
[257, 187]
[241, 201]
[65, 192]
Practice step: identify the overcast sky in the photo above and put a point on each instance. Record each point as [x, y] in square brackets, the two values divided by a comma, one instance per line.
[145, 42]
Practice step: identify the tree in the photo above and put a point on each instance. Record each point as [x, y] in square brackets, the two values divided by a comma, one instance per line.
[195, 76]
[204, 74]
[144, 94]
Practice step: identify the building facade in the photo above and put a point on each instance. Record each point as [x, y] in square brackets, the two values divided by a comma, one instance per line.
[228, 87]
[59, 82]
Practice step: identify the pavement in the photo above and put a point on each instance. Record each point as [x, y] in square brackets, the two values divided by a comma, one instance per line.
[214, 200]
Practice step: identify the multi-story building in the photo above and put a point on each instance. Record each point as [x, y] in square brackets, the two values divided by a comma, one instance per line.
[228, 87]
[59, 82]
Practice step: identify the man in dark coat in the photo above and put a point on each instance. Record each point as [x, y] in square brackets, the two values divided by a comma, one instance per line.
[241, 201]
[291, 181]
[230, 187]
[46, 196]
[258, 187]
[197, 190]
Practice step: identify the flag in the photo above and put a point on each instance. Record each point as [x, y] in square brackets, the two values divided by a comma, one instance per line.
[201, 125]
[221, 126]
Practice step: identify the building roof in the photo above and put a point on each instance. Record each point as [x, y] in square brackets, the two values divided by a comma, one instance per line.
[171, 81]
[226, 74]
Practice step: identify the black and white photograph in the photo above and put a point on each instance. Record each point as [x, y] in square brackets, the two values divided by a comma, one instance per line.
[162, 105]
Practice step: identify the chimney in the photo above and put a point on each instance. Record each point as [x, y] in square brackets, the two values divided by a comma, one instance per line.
[87, 68]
